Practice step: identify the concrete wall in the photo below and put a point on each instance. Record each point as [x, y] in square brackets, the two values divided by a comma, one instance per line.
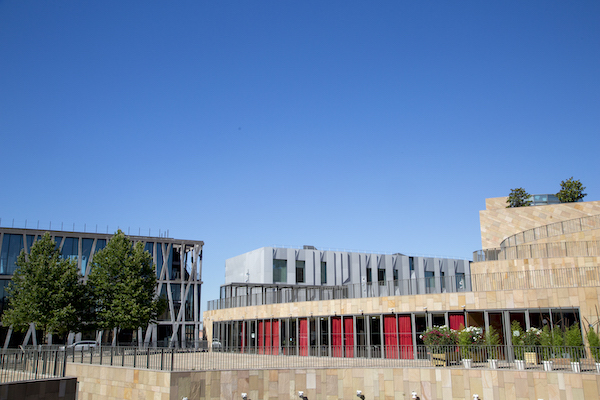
[43, 389]
[108, 383]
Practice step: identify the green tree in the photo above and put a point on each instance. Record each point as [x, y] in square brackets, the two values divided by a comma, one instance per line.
[518, 198]
[571, 191]
[47, 291]
[122, 282]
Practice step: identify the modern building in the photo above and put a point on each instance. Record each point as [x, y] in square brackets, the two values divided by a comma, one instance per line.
[539, 265]
[178, 278]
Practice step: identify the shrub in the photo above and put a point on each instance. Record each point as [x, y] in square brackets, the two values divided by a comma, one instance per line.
[438, 338]
[492, 341]
[518, 337]
[467, 338]
[594, 342]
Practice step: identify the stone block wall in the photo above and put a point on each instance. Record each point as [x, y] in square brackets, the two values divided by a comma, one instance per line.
[334, 384]
[498, 222]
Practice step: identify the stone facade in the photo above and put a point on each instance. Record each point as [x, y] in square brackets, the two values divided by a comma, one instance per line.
[111, 383]
[498, 222]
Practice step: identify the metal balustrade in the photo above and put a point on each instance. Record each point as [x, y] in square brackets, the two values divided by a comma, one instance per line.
[573, 359]
[555, 229]
[590, 248]
[31, 364]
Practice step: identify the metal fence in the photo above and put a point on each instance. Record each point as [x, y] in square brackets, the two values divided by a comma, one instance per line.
[588, 248]
[299, 293]
[554, 229]
[30, 364]
[574, 359]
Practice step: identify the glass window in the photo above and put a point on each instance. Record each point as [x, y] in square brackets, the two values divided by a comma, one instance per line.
[86, 250]
[300, 271]
[57, 241]
[369, 277]
[381, 275]
[12, 245]
[395, 271]
[149, 247]
[100, 244]
[159, 259]
[323, 273]
[70, 249]
[279, 271]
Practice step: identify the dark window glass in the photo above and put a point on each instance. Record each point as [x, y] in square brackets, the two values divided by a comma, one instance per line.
[57, 241]
[369, 277]
[381, 275]
[279, 271]
[395, 274]
[159, 259]
[70, 249]
[100, 244]
[30, 239]
[323, 273]
[300, 271]
[411, 263]
[12, 245]
[149, 247]
[86, 250]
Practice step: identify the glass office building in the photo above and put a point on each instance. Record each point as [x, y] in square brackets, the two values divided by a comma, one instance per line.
[178, 278]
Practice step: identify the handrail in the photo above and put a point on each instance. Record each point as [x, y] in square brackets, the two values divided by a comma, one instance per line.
[590, 248]
[554, 229]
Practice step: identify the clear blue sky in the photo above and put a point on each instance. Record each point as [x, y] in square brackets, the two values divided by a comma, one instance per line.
[363, 125]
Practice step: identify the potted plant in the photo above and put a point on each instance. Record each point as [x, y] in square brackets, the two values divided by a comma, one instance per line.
[594, 343]
[441, 343]
[531, 343]
[518, 336]
[546, 348]
[467, 339]
[574, 343]
[492, 343]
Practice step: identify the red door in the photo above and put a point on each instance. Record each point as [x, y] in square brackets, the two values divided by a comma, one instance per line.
[457, 321]
[405, 337]
[303, 336]
[390, 335]
[349, 336]
[336, 336]
[268, 338]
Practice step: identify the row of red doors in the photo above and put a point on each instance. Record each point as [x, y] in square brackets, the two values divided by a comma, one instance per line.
[397, 332]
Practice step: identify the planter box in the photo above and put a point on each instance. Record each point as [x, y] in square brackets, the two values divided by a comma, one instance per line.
[467, 362]
[493, 364]
[444, 359]
[547, 365]
[531, 358]
[575, 366]
[520, 364]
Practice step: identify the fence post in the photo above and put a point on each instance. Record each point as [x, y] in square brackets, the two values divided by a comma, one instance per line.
[148, 358]
[172, 358]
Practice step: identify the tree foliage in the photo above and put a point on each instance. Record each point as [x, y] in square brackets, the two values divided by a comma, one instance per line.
[518, 198]
[47, 291]
[571, 191]
[122, 282]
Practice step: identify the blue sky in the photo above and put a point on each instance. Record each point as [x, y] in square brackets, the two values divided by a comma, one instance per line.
[376, 126]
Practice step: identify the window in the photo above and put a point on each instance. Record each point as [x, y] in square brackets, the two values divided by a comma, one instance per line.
[381, 276]
[369, 277]
[279, 271]
[300, 271]
[395, 271]
[323, 273]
